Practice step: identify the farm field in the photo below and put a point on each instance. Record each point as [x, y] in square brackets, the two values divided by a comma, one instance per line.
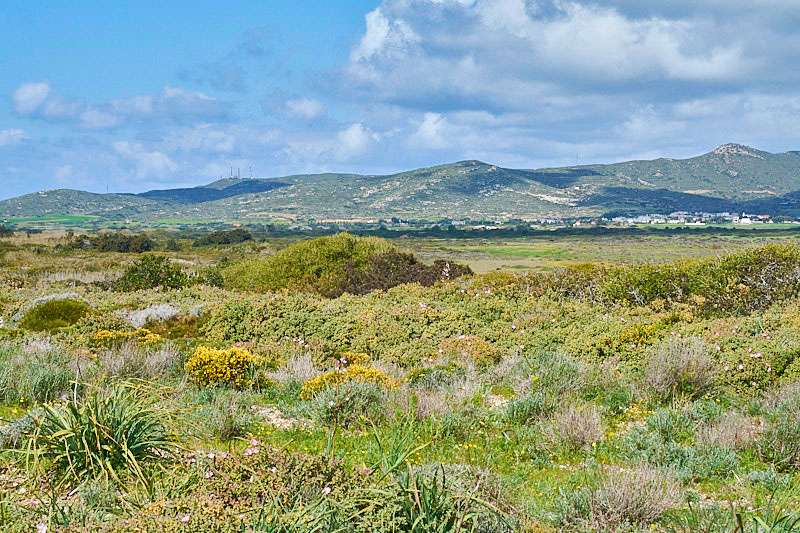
[218, 382]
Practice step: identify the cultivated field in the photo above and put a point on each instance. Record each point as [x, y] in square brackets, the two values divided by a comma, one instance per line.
[587, 382]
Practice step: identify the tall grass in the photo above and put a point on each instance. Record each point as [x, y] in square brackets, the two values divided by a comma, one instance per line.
[111, 435]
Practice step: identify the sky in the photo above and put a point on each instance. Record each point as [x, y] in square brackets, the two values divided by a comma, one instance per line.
[127, 96]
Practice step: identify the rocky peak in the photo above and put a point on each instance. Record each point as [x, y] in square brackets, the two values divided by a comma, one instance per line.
[737, 149]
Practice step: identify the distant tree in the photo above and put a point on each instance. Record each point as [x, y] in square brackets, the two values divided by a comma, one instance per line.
[222, 237]
[5, 231]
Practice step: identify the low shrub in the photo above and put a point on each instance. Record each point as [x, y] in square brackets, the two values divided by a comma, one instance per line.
[54, 315]
[732, 430]
[779, 443]
[358, 373]
[229, 415]
[152, 272]
[210, 366]
[637, 496]
[35, 373]
[467, 349]
[111, 434]
[132, 360]
[680, 367]
[578, 427]
[351, 404]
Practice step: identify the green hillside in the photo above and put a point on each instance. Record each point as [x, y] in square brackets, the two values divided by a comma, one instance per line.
[730, 178]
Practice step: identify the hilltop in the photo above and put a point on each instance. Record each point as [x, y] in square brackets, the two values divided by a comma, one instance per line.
[732, 177]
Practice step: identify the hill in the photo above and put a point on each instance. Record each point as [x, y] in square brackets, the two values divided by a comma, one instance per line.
[732, 177]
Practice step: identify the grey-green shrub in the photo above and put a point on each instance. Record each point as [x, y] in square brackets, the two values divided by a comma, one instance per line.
[349, 404]
[35, 373]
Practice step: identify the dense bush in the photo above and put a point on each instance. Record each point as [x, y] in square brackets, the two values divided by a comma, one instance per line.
[151, 272]
[223, 237]
[332, 266]
[232, 367]
[54, 314]
[358, 373]
[113, 242]
[389, 269]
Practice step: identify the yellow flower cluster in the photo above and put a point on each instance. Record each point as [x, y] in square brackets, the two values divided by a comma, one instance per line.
[355, 358]
[210, 366]
[106, 337]
[360, 373]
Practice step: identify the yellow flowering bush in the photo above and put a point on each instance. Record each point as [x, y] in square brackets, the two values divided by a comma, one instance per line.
[355, 358]
[105, 338]
[471, 348]
[211, 366]
[363, 374]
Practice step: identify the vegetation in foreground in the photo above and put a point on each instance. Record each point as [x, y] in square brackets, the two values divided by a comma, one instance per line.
[341, 384]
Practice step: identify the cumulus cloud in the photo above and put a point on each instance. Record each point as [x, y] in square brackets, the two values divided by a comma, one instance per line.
[30, 96]
[354, 140]
[38, 100]
[11, 136]
[148, 163]
[305, 108]
[431, 132]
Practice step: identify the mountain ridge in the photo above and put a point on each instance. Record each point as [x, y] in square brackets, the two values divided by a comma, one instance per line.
[730, 177]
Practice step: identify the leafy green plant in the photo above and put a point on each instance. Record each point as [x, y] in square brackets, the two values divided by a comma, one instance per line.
[111, 434]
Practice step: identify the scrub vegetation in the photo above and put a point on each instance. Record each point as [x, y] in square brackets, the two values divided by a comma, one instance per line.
[347, 384]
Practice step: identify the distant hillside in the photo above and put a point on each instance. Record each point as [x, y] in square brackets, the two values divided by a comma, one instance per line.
[730, 178]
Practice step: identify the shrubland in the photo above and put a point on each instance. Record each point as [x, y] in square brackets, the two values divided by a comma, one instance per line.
[342, 384]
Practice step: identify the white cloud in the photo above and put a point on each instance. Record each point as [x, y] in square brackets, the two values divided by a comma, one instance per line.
[148, 163]
[431, 132]
[11, 136]
[305, 108]
[97, 119]
[29, 96]
[354, 140]
[204, 138]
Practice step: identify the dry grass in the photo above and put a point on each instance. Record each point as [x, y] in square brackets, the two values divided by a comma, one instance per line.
[132, 361]
[680, 367]
[640, 495]
[733, 430]
[578, 427]
[299, 369]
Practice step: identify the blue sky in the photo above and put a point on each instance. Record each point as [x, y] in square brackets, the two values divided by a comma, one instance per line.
[137, 95]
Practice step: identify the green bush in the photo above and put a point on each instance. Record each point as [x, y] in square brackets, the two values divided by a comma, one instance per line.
[151, 272]
[55, 314]
[223, 237]
[332, 266]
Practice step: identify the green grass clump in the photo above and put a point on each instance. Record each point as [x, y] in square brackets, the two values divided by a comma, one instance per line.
[55, 314]
[112, 434]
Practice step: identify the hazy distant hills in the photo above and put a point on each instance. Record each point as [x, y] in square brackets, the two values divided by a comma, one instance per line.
[730, 178]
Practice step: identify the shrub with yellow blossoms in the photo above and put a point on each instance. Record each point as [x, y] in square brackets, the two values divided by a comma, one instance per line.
[359, 373]
[106, 338]
[211, 366]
